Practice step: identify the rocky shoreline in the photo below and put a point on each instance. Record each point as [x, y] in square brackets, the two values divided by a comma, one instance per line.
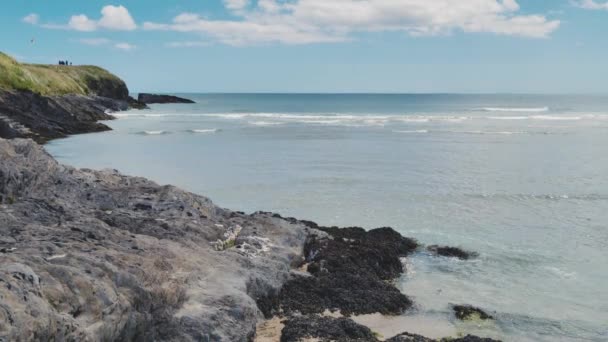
[96, 255]
[91, 255]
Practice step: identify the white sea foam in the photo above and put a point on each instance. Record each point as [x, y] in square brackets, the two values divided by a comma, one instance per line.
[153, 132]
[265, 123]
[137, 115]
[508, 117]
[560, 272]
[467, 132]
[556, 118]
[369, 120]
[411, 131]
[491, 132]
[208, 130]
[515, 109]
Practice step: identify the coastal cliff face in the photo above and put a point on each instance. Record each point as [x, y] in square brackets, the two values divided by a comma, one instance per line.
[24, 114]
[44, 102]
[99, 256]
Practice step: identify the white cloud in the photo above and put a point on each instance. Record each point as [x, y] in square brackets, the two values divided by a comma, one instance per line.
[31, 18]
[591, 5]
[236, 5]
[125, 46]
[318, 21]
[82, 23]
[115, 18]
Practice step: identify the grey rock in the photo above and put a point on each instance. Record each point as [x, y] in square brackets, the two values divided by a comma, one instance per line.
[100, 256]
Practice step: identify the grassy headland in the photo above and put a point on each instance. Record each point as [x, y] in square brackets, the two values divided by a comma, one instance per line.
[50, 80]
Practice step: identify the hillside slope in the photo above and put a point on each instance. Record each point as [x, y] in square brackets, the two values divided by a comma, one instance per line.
[54, 80]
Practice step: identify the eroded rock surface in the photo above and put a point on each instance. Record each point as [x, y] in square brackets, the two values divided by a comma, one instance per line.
[95, 255]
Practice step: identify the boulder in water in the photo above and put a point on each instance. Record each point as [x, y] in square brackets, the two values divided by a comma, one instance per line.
[154, 98]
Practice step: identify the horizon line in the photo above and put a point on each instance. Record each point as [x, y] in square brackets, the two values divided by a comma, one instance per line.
[370, 93]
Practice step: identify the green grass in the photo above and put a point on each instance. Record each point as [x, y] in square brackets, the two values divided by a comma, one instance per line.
[51, 79]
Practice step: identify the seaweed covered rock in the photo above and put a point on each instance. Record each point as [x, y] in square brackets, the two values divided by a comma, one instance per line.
[408, 337]
[344, 292]
[355, 250]
[467, 312]
[325, 329]
[452, 252]
[349, 269]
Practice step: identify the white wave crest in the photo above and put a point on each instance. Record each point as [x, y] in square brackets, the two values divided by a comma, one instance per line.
[208, 130]
[411, 131]
[508, 117]
[491, 132]
[556, 118]
[515, 109]
[265, 123]
[153, 132]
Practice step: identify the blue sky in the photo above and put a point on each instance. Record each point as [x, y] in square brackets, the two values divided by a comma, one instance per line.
[464, 46]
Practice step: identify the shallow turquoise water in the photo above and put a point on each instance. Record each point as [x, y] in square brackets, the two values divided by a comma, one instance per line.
[521, 179]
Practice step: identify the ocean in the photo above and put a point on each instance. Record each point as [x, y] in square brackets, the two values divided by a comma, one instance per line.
[520, 179]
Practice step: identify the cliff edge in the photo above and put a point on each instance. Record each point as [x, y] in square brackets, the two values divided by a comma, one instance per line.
[45, 102]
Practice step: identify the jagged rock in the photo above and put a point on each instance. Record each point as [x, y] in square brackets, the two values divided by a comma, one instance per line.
[465, 312]
[453, 252]
[154, 98]
[99, 256]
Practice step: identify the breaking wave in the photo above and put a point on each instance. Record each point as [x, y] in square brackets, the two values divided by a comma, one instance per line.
[160, 132]
[208, 130]
[265, 123]
[515, 109]
[412, 131]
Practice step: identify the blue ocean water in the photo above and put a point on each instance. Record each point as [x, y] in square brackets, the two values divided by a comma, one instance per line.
[520, 179]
